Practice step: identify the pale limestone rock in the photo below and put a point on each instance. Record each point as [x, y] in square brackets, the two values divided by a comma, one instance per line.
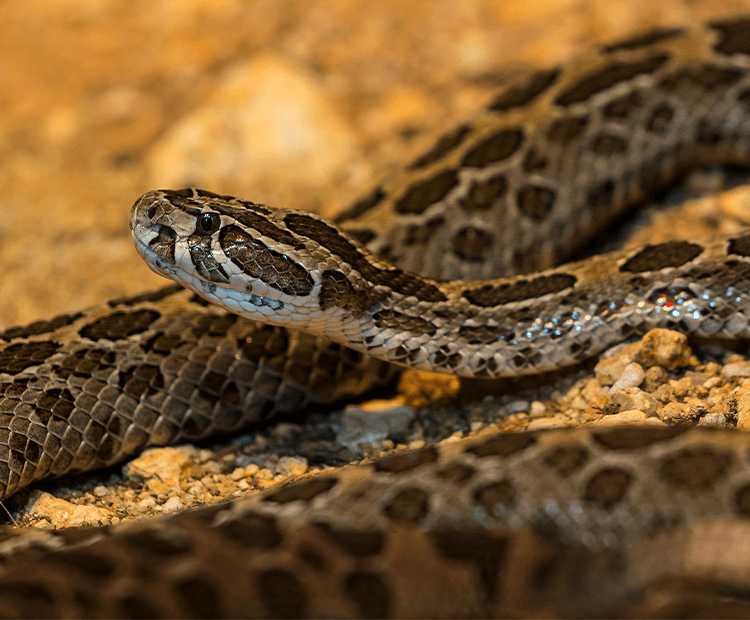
[63, 514]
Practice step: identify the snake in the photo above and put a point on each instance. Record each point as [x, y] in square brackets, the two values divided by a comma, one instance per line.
[456, 264]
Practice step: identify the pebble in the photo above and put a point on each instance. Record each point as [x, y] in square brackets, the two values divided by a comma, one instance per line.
[372, 426]
[173, 504]
[665, 348]
[632, 376]
[737, 369]
[627, 417]
[291, 466]
[64, 514]
[542, 423]
[161, 464]
[635, 398]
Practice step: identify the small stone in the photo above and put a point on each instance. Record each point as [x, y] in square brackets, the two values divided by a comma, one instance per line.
[291, 466]
[100, 491]
[674, 412]
[146, 503]
[612, 364]
[243, 485]
[264, 474]
[543, 423]
[518, 406]
[714, 420]
[737, 369]
[64, 514]
[665, 348]
[635, 398]
[162, 464]
[655, 377]
[537, 409]
[173, 504]
[632, 376]
[371, 427]
[627, 417]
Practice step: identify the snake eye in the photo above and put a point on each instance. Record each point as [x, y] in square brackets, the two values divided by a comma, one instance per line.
[207, 223]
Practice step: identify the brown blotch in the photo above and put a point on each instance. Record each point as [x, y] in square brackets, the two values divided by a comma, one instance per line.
[302, 490]
[607, 144]
[565, 130]
[282, 594]
[157, 295]
[488, 553]
[247, 216]
[495, 496]
[456, 472]
[534, 161]
[369, 593]
[337, 291]
[623, 106]
[471, 244]
[443, 146]
[607, 77]
[503, 445]
[496, 295]
[566, 460]
[259, 261]
[657, 35]
[390, 319]
[16, 357]
[660, 119]
[422, 233]
[704, 77]
[742, 500]
[631, 438]
[406, 461]
[521, 94]
[694, 468]
[372, 200]
[662, 256]
[346, 249]
[427, 193]
[356, 543]
[535, 202]
[479, 334]
[483, 194]
[41, 327]
[608, 487]
[409, 505]
[739, 246]
[199, 597]
[251, 531]
[735, 36]
[119, 325]
[601, 195]
[495, 148]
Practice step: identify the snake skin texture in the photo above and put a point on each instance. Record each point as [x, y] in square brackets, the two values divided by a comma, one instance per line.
[606, 522]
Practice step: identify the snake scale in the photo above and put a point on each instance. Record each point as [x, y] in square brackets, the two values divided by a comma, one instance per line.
[606, 522]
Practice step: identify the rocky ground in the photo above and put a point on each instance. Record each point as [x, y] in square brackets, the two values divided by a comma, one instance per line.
[304, 105]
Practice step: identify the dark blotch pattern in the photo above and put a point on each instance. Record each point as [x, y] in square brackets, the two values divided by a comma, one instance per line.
[706, 77]
[694, 469]
[40, 327]
[607, 487]
[372, 200]
[282, 594]
[635, 437]
[607, 77]
[740, 246]
[119, 325]
[496, 147]
[488, 554]
[661, 118]
[400, 281]
[495, 497]
[409, 505]
[302, 490]
[472, 244]
[662, 256]
[427, 193]
[406, 461]
[657, 35]
[390, 319]
[359, 544]
[504, 445]
[369, 594]
[521, 94]
[496, 295]
[735, 36]
[607, 144]
[17, 357]
[251, 531]
[564, 130]
[447, 143]
[257, 260]
[535, 202]
[566, 460]
[742, 500]
[481, 195]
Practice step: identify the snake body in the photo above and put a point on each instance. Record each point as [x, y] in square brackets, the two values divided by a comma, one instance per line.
[579, 522]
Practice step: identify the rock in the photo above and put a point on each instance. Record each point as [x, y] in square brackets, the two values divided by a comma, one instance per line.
[291, 466]
[162, 465]
[62, 514]
[542, 423]
[634, 398]
[627, 417]
[632, 376]
[371, 427]
[665, 348]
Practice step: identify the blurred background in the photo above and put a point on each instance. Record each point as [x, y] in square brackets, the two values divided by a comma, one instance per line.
[293, 103]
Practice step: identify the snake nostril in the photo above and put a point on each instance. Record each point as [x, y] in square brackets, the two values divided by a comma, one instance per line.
[151, 212]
